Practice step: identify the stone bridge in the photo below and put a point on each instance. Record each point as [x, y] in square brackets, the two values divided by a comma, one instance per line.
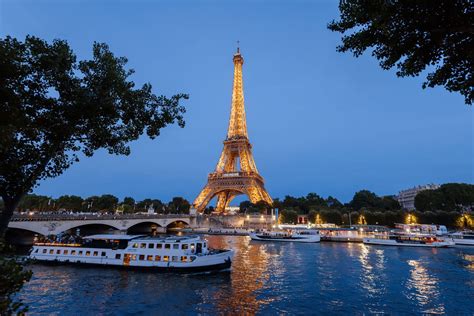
[55, 224]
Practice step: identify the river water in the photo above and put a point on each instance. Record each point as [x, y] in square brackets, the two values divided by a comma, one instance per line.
[270, 278]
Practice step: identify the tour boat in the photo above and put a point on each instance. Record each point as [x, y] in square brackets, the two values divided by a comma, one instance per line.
[463, 238]
[294, 236]
[408, 240]
[187, 253]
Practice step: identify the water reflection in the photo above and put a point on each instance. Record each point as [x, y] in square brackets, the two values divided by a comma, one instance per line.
[423, 287]
[270, 278]
[250, 273]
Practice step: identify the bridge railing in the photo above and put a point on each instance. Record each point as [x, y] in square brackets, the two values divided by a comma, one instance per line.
[75, 217]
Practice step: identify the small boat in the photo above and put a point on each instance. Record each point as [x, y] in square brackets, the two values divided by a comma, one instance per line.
[463, 238]
[294, 236]
[408, 240]
[188, 253]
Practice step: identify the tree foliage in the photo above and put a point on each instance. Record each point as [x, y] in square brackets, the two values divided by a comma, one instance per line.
[449, 197]
[12, 277]
[414, 36]
[288, 217]
[365, 199]
[53, 107]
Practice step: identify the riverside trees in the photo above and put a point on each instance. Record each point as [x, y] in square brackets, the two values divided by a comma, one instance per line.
[414, 36]
[54, 109]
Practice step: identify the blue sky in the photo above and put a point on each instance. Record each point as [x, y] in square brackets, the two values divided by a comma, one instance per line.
[319, 121]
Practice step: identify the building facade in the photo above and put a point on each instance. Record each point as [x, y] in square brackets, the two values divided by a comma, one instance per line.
[406, 198]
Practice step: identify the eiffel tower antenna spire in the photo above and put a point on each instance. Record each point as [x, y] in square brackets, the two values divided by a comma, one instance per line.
[236, 172]
[237, 122]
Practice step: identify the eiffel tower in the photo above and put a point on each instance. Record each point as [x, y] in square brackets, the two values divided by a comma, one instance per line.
[236, 172]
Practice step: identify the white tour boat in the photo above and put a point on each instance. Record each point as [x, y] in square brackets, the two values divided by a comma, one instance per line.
[187, 253]
[408, 240]
[463, 238]
[295, 236]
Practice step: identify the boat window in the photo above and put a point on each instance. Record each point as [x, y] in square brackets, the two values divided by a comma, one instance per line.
[88, 253]
[157, 258]
[192, 258]
[167, 246]
[117, 256]
[184, 258]
[141, 257]
[174, 258]
[184, 246]
[142, 245]
[103, 254]
[44, 250]
[58, 252]
[96, 253]
[175, 246]
[73, 252]
[166, 258]
[51, 251]
[134, 257]
[80, 253]
[151, 246]
[159, 246]
[66, 252]
[149, 258]
[135, 245]
[36, 251]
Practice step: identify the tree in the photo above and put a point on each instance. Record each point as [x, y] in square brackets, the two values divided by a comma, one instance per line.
[413, 36]
[52, 108]
[364, 199]
[244, 206]
[333, 202]
[288, 217]
[179, 205]
[70, 202]
[106, 202]
[33, 202]
[12, 277]
[449, 197]
[128, 201]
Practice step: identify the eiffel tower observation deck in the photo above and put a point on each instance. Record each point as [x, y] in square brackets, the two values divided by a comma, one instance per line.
[236, 172]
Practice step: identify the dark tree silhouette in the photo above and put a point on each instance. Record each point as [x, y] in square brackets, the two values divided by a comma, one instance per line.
[53, 107]
[414, 36]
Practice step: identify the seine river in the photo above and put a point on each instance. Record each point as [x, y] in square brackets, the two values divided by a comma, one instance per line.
[270, 278]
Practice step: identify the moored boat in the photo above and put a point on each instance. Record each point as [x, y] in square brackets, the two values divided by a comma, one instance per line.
[408, 240]
[293, 236]
[463, 238]
[188, 253]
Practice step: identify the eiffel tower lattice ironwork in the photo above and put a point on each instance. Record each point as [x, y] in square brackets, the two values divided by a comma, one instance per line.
[236, 172]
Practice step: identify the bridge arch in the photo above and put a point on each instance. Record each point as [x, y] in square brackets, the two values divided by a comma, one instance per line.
[179, 223]
[21, 236]
[144, 227]
[86, 229]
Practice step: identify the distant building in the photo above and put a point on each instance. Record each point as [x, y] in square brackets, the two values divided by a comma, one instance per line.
[406, 198]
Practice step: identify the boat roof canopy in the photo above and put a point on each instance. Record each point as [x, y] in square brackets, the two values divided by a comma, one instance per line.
[113, 236]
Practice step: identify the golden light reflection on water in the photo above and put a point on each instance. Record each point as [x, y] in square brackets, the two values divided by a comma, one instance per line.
[424, 286]
[470, 261]
[250, 273]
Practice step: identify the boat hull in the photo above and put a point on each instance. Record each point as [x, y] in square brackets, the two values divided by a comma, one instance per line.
[216, 261]
[463, 242]
[388, 242]
[305, 239]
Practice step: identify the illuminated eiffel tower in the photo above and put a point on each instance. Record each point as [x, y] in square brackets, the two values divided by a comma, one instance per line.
[236, 172]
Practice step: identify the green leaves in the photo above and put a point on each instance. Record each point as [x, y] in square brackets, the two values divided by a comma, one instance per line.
[53, 107]
[12, 277]
[414, 36]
